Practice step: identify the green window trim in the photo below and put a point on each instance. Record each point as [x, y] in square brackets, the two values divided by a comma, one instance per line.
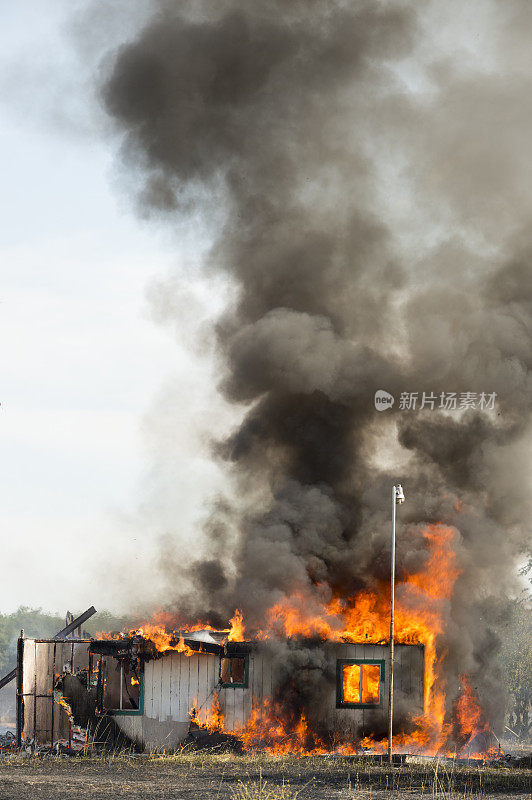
[340, 664]
[131, 712]
[243, 685]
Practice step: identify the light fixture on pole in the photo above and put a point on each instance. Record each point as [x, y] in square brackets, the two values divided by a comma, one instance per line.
[398, 497]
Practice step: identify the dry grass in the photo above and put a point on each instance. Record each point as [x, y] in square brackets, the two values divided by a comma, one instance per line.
[226, 776]
[260, 790]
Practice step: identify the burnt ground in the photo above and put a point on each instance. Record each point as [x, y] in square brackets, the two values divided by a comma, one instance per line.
[223, 776]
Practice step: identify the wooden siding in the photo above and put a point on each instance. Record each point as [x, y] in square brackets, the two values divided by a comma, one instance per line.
[45, 721]
[238, 704]
[175, 684]
[408, 682]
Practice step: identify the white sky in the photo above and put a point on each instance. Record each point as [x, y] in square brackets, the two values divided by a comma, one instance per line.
[81, 359]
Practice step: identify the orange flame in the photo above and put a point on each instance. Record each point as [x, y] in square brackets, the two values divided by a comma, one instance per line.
[351, 683]
[468, 716]
[64, 705]
[236, 634]
[361, 683]
[163, 640]
[171, 621]
[181, 647]
[210, 718]
[158, 635]
[157, 630]
[267, 730]
[420, 601]
[370, 683]
[365, 618]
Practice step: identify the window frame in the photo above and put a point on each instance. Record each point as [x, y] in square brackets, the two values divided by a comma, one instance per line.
[348, 662]
[243, 685]
[128, 711]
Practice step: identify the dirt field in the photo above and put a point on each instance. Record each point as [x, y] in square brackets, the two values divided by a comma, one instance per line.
[206, 777]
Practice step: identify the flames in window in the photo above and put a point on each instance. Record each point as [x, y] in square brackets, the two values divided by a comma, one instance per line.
[361, 683]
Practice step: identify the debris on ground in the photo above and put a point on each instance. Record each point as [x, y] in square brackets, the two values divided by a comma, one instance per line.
[8, 741]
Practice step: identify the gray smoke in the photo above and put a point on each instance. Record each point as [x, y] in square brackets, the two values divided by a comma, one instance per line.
[372, 205]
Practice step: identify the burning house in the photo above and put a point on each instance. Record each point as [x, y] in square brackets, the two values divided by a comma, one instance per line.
[154, 692]
[313, 677]
[345, 206]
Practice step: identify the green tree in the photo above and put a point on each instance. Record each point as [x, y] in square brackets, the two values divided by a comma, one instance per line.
[517, 663]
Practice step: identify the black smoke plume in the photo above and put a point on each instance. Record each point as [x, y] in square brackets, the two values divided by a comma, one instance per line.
[305, 130]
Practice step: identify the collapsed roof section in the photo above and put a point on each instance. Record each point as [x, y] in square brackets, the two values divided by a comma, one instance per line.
[138, 647]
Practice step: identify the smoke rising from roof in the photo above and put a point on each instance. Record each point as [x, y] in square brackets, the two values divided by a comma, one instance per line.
[375, 228]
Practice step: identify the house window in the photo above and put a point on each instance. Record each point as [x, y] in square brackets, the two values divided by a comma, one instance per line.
[359, 683]
[121, 686]
[234, 671]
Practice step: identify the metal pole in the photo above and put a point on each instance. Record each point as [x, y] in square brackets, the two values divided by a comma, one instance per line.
[20, 688]
[392, 609]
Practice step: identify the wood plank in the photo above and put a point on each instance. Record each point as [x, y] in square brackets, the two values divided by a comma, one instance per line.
[148, 689]
[174, 683]
[43, 667]
[166, 672]
[28, 716]
[162, 703]
[207, 675]
[230, 708]
[248, 695]
[44, 720]
[44, 686]
[156, 684]
[240, 711]
[245, 693]
[257, 683]
[170, 658]
[233, 694]
[204, 701]
[176, 679]
[213, 667]
[193, 681]
[188, 696]
[28, 667]
[267, 678]
[418, 677]
[180, 688]
[406, 671]
[256, 680]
